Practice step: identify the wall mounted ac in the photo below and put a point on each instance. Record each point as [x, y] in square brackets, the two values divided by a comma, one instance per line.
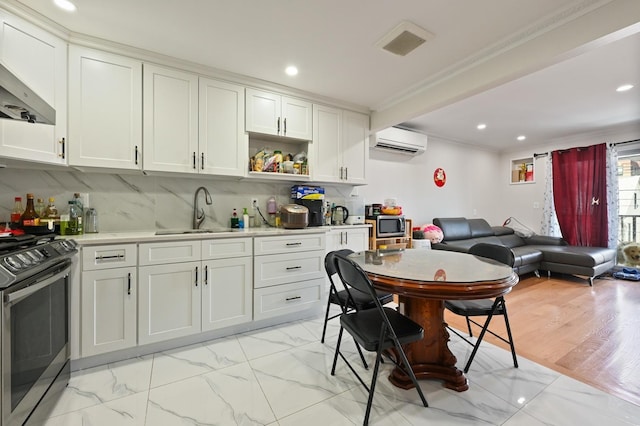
[401, 141]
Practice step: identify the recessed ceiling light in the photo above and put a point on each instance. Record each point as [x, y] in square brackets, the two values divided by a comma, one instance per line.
[481, 126]
[624, 88]
[521, 137]
[291, 70]
[65, 5]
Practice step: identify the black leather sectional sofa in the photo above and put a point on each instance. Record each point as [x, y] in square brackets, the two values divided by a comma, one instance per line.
[531, 254]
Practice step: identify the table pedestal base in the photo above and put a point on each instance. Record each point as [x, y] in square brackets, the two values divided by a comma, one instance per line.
[452, 377]
[430, 358]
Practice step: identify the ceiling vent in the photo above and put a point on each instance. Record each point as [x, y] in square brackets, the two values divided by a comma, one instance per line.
[404, 38]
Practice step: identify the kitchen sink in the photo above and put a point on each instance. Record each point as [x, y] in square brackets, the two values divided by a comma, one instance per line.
[193, 231]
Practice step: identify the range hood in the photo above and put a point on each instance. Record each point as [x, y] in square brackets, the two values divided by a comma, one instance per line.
[19, 102]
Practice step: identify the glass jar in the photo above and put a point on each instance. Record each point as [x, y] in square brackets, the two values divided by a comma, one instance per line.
[17, 211]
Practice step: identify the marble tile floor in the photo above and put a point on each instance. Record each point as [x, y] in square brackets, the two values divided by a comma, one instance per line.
[280, 376]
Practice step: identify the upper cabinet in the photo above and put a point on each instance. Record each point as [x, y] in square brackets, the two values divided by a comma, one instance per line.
[192, 125]
[273, 114]
[340, 145]
[170, 120]
[105, 110]
[39, 59]
[223, 141]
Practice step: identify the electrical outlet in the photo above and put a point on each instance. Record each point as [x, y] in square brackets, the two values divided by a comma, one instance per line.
[254, 203]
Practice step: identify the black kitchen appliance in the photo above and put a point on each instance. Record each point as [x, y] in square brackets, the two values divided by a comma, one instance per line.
[34, 308]
[315, 210]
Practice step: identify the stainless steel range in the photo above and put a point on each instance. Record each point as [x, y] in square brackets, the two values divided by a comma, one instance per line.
[34, 330]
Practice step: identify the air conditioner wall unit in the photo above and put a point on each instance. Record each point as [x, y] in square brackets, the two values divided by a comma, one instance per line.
[401, 141]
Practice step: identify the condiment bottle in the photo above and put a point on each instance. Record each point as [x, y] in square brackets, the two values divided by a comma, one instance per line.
[40, 207]
[278, 160]
[30, 217]
[78, 201]
[235, 222]
[17, 211]
[245, 218]
[50, 214]
[75, 219]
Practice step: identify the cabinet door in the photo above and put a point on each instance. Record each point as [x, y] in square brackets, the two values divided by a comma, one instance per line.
[296, 119]
[327, 131]
[226, 293]
[224, 146]
[263, 111]
[40, 61]
[356, 239]
[170, 117]
[105, 110]
[108, 310]
[168, 301]
[355, 146]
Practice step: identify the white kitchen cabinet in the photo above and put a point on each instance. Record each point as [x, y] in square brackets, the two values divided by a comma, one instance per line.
[288, 274]
[356, 239]
[170, 117]
[227, 282]
[223, 143]
[340, 145]
[169, 290]
[273, 114]
[108, 299]
[105, 110]
[39, 59]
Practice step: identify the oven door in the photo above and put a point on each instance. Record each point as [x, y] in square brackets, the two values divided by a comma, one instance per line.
[35, 339]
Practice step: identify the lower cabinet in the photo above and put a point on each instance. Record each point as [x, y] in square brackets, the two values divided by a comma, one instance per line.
[169, 301]
[288, 274]
[108, 297]
[356, 239]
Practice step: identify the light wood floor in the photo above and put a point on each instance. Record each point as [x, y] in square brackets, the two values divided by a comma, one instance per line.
[589, 333]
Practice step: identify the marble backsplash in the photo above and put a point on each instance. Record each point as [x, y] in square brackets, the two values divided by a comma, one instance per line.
[128, 202]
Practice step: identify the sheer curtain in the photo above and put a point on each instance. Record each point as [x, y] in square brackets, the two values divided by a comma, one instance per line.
[613, 205]
[550, 225]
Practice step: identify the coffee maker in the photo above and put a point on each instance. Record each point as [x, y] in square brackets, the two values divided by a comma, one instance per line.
[315, 210]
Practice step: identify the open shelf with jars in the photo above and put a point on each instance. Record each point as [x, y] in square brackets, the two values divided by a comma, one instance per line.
[390, 242]
[522, 170]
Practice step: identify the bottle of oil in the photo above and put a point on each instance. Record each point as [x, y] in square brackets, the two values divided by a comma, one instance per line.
[30, 217]
[75, 219]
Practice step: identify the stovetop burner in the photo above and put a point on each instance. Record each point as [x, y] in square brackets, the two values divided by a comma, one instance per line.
[26, 255]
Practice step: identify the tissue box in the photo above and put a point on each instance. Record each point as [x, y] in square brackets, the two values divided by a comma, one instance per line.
[307, 192]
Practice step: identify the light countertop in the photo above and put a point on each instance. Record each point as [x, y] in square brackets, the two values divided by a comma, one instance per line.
[150, 235]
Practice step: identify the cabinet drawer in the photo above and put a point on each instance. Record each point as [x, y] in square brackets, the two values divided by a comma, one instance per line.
[172, 252]
[107, 257]
[287, 268]
[226, 248]
[284, 299]
[289, 244]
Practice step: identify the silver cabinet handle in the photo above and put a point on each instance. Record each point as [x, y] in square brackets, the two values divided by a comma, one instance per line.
[202, 161]
[288, 299]
[294, 244]
[194, 160]
[196, 276]
[346, 173]
[206, 275]
[136, 155]
[129, 283]
[285, 126]
[293, 268]
[278, 124]
[114, 256]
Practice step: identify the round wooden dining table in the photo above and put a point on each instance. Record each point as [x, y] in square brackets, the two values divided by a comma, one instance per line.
[423, 280]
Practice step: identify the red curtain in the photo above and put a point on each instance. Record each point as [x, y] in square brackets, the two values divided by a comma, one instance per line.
[580, 194]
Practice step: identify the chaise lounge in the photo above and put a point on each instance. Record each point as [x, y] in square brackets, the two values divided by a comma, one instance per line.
[534, 253]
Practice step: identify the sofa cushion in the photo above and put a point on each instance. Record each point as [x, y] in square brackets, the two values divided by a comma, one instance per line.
[480, 228]
[502, 230]
[453, 228]
[577, 255]
[511, 240]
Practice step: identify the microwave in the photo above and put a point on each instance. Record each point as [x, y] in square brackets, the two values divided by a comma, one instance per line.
[390, 226]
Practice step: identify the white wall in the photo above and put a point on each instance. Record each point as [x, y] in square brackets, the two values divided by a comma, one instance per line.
[472, 176]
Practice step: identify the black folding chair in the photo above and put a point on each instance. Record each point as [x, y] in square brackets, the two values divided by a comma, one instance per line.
[484, 307]
[348, 299]
[376, 330]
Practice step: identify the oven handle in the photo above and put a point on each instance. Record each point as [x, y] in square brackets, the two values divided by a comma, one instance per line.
[16, 296]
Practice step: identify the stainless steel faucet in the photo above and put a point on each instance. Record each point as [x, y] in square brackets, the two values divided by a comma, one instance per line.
[198, 213]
